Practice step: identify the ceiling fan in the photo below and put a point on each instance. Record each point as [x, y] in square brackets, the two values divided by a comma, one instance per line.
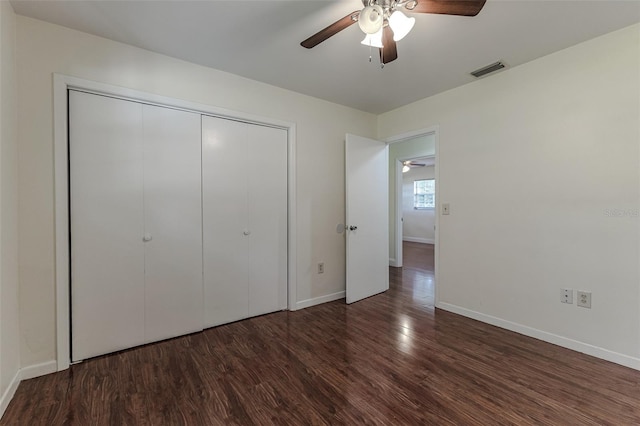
[406, 166]
[384, 23]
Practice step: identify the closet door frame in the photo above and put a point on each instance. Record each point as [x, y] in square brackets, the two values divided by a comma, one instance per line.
[61, 85]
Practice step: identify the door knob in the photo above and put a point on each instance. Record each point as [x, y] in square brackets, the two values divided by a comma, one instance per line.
[353, 228]
[246, 232]
[147, 238]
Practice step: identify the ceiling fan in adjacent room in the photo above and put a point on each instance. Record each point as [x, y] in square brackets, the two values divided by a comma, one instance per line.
[407, 165]
[384, 24]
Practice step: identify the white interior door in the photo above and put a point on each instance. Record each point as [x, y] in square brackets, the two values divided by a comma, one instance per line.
[244, 187]
[367, 215]
[225, 218]
[173, 223]
[106, 209]
[136, 224]
[267, 177]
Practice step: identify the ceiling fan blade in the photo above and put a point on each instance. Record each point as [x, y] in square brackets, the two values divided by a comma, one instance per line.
[331, 30]
[449, 7]
[412, 164]
[389, 52]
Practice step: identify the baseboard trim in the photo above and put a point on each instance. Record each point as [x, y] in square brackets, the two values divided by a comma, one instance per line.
[575, 345]
[9, 393]
[38, 370]
[419, 240]
[25, 373]
[394, 263]
[319, 300]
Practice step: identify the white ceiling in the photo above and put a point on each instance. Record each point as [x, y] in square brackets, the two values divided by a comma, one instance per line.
[260, 40]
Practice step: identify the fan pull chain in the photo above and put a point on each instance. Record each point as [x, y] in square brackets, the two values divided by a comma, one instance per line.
[371, 56]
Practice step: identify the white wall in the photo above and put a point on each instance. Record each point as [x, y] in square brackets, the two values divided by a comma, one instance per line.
[417, 225]
[419, 146]
[321, 127]
[9, 337]
[534, 161]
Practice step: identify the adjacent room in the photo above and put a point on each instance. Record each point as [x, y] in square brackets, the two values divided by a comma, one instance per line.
[319, 212]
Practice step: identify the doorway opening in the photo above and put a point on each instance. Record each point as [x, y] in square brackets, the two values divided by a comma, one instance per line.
[416, 198]
[413, 224]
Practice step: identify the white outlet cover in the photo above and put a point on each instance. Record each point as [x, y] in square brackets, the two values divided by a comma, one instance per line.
[584, 299]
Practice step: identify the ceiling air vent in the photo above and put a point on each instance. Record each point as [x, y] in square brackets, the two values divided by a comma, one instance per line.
[488, 69]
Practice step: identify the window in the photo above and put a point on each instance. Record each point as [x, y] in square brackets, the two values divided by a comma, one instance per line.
[424, 194]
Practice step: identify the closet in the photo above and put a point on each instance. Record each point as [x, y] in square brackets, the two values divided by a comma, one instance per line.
[136, 223]
[178, 222]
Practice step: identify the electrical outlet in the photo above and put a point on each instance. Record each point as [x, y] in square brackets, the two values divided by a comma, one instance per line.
[584, 299]
[321, 267]
[566, 295]
[445, 208]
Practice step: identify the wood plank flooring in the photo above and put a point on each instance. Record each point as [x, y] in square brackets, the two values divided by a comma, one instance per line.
[390, 359]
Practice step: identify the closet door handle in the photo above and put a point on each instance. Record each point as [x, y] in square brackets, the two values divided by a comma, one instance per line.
[147, 237]
[246, 232]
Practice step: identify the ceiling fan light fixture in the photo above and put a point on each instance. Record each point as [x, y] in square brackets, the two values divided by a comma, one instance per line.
[400, 25]
[405, 168]
[373, 40]
[385, 16]
[371, 19]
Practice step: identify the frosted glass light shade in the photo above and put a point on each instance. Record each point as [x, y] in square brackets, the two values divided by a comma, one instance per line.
[405, 169]
[373, 40]
[400, 24]
[371, 19]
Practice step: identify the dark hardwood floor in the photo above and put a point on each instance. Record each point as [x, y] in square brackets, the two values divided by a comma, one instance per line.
[390, 359]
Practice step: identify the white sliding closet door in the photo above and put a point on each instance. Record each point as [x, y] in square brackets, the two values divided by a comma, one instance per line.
[172, 222]
[107, 252]
[244, 178]
[136, 223]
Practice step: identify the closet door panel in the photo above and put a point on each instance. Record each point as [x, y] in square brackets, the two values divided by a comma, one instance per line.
[106, 216]
[224, 198]
[173, 223]
[267, 177]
